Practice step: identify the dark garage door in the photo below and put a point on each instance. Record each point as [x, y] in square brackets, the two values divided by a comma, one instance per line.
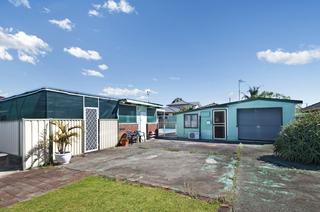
[259, 123]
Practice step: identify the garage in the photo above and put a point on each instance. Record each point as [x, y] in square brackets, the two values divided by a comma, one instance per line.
[263, 124]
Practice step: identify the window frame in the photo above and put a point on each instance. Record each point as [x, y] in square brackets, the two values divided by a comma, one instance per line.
[191, 115]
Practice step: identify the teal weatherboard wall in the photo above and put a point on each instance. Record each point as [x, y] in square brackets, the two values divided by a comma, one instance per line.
[205, 123]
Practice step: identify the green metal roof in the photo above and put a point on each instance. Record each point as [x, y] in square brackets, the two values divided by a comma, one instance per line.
[243, 101]
[73, 93]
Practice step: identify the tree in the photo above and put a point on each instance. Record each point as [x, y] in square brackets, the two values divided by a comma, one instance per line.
[254, 92]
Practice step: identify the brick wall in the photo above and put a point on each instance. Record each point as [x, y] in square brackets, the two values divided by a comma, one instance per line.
[123, 128]
[153, 128]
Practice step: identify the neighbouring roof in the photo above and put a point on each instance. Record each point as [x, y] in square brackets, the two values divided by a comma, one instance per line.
[138, 102]
[180, 103]
[242, 101]
[315, 106]
[208, 105]
[171, 109]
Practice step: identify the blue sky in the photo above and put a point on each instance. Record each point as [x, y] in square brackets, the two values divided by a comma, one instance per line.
[197, 50]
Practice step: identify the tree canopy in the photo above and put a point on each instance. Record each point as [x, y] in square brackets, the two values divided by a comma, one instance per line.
[254, 92]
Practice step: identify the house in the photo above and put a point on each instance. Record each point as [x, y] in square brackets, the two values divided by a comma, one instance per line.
[138, 115]
[312, 108]
[257, 119]
[25, 117]
[167, 120]
[182, 105]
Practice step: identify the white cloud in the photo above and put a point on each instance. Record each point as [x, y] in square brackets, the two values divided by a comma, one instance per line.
[3, 93]
[103, 67]
[289, 58]
[4, 55]
[125, 92]
[97, 6]
[155, 79]
[92, 73]
[121, 6]
[174, 78]
[85, 54]
[94, 13]
[46, 10]
[18, 3]
[26, 58]
[143, 97]
[65, 24]
[28, 47]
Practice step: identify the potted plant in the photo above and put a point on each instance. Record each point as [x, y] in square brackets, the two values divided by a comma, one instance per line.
[62, 138]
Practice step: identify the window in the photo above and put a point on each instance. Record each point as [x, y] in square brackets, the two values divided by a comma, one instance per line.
[127, 114]
[219, 117]
[191, 121]
[151, 115]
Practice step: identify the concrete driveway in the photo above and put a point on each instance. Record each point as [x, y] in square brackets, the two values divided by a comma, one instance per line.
[265, 186]
[207, 170]
[200, 169]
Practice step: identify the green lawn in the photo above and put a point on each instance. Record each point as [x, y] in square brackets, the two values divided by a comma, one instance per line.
[100, 194]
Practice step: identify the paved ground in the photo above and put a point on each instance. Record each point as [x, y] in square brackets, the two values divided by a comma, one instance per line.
[264, 186]
[201, 169]
[195, 168]
[20, 186]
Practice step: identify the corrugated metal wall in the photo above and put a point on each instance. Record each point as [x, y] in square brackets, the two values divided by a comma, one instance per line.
[29, 132]
[33, 131]
[108, 133]
[9, 137]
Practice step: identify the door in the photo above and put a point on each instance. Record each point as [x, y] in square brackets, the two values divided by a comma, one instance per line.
[90, 129]
[219, 124]
[205, 125]
[143, 123]
[263, 124]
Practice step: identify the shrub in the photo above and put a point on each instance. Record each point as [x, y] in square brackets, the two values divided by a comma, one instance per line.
[300, 140]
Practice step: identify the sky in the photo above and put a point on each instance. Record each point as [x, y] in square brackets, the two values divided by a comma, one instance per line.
[157, 50]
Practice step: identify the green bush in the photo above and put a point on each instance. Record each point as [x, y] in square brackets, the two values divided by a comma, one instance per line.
[300, 140]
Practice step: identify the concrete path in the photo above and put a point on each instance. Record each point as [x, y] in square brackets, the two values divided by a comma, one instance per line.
[263, 186]
[199, 169]
[23, 185]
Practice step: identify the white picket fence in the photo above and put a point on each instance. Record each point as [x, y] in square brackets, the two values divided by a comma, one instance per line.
[19, 137]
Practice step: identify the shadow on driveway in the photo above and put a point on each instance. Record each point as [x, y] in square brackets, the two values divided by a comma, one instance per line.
[277, 161]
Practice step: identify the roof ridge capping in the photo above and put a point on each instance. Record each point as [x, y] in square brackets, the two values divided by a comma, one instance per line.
[245, 100]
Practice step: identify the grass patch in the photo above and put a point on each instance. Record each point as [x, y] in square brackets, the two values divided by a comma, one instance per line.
[101, 194]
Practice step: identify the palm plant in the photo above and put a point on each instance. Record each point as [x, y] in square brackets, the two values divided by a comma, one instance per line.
[62, 136]
[253, 92]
